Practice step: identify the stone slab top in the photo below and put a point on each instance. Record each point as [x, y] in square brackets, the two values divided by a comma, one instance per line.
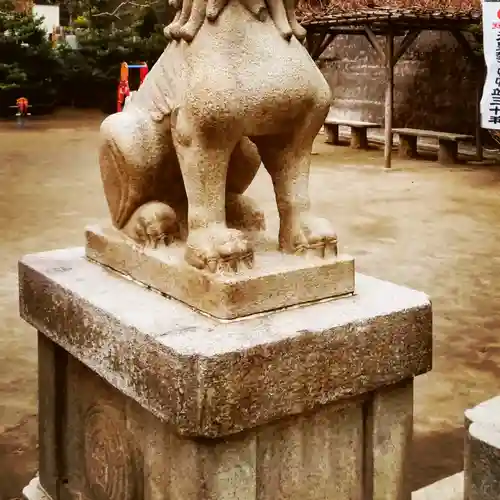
[209, 377]
[432, 133]
[486, 413]
[488, 434]
[449, 488]
[351, 123]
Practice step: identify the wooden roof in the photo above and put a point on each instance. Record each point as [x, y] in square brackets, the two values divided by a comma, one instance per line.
[381, 18]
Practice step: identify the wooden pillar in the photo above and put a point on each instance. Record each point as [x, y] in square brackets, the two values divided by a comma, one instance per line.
[389, 97]
[478, 64]
[389, 58]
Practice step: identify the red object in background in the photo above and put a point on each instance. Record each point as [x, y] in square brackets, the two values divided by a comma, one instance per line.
[22, 105]
[123, 86]
[123, 93]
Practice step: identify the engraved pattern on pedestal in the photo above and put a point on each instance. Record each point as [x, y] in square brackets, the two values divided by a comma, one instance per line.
[109, 455]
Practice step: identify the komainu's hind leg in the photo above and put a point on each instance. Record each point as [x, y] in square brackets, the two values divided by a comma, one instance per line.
[131, 175]
[287, 159]
[241, 211]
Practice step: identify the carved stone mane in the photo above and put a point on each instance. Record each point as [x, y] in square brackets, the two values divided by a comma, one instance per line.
[191, 14]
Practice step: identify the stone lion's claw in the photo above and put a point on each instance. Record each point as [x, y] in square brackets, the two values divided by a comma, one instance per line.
[249, 261]
[150, 225]
[316, 249]
[212, 265]
[331, 248]
[220, 248]
[233, 264]
[300, 249]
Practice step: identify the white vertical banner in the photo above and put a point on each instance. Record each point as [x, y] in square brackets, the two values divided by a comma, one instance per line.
[490, 101]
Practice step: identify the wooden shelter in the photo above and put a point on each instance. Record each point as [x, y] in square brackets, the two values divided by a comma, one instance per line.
[402, 25]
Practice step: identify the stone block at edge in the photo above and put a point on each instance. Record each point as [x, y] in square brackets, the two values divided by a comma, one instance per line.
[278, 280]
[34, 491]
[485, 413]
[212, 378]
[482, 464]
[449, 488]
[482, 451]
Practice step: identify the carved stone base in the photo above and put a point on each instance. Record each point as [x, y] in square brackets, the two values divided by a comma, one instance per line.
[142, 398]
[277, 280]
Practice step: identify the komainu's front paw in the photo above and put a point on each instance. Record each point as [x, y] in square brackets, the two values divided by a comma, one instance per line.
[315, 236]
[152, 224]
[218, 249]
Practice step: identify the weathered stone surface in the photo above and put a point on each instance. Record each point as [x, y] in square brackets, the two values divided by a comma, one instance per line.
[222, 97]
[486, 413]
[483, 463]
[359, 139]
[313, 456]
[389, 430]
[277, 280]
[482, 451]
[52, 378]
[332, 133]
[34, 491]
[115, 450]
[449, 488]
[407, 146]
[211, 378]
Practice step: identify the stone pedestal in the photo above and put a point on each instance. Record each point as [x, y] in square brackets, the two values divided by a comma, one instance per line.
[332, 133]
[407, 146]
[359, 138]
[447, 152]
[143, 398]
[278, 280]
[482, 451]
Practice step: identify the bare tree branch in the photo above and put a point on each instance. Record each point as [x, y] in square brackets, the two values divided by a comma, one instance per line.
[115, 12]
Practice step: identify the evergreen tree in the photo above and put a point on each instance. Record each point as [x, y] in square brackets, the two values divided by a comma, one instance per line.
[29, 67]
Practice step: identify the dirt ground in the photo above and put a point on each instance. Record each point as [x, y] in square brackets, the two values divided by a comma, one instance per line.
[421, 225]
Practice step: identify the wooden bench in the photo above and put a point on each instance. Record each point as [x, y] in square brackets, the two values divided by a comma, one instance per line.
[448, 143]
[359, 139]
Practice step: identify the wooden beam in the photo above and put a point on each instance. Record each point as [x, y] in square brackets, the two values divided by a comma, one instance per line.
[478, 63]
[310, 38]
[389, 98]
[324, 45]
[477, 37]
[465, 44]
[374, 43]
[314, 41]
[409, 38]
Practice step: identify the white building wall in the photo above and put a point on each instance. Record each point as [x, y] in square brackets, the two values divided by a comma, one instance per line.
[50, 14]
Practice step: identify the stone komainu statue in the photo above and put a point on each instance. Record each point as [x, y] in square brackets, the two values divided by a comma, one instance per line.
[233, 87]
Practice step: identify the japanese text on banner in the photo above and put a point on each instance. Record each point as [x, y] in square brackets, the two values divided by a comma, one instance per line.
[490, 102]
